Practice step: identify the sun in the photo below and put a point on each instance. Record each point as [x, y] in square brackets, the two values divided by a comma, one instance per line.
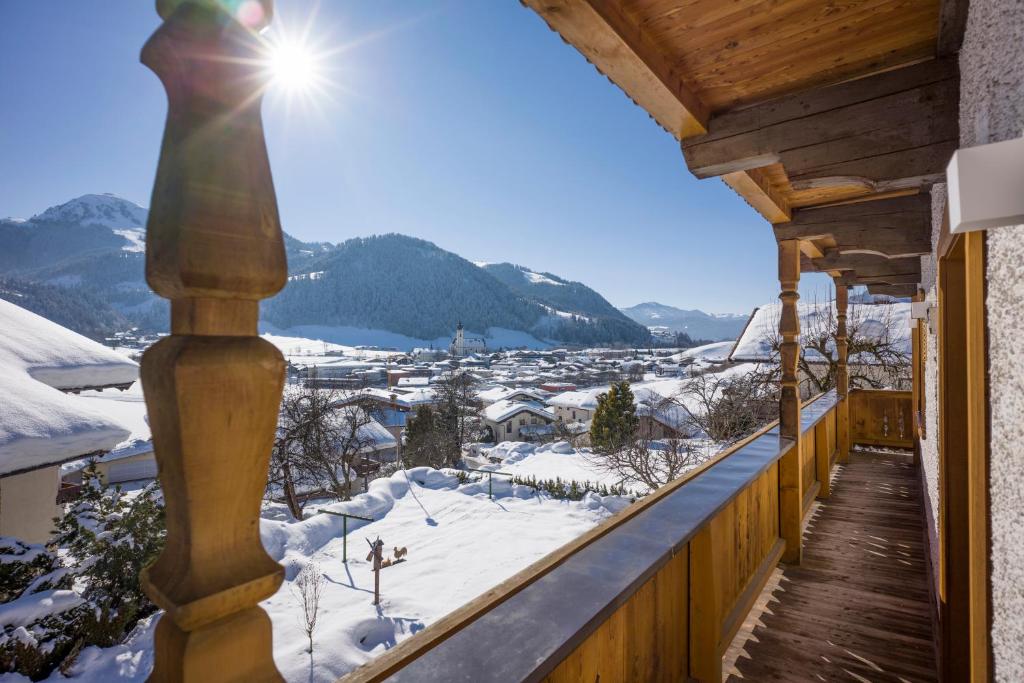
[293, 66]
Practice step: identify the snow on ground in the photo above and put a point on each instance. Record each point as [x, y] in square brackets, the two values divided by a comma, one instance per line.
[136, 239]
[313, 349]
[460, 544]
[540, 278]
[497, 337]
[548, 461]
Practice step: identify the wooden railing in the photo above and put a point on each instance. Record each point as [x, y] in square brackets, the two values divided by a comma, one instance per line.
[655, 593]
[881, 417]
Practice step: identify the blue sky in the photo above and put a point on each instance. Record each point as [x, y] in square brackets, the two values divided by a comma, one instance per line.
[469, 124]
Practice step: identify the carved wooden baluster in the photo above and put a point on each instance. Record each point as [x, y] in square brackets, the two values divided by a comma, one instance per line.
[213, 388]
[842, 372]
[790, 477]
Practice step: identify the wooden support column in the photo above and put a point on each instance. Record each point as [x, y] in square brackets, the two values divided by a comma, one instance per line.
[842, 374]
[213, 387]
[790, 476]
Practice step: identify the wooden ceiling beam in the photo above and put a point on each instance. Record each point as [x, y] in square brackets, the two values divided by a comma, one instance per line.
[865, 264]
[623, 51]
[756, 188]
[889, 131]
[851, 278]
[895, 228]
[906, 290]
[952, 22]
[863, 269]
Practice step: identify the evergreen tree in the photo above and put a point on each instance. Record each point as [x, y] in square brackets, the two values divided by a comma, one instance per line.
[101, 545]
[422, 445]
[614, 425]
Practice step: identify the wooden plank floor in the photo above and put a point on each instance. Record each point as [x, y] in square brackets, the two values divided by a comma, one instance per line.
[857, 608]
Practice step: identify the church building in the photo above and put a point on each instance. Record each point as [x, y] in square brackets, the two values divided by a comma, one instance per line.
[463, 346]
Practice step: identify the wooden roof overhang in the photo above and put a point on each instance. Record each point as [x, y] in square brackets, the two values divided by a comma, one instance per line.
[831, 118]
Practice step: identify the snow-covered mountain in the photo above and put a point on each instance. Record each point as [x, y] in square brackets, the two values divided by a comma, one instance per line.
[696, 323]
[414, 288]
[96, 244]
[106, 210]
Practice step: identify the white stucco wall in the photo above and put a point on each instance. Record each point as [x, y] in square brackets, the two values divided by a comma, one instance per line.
[991, 110]
[28, 504]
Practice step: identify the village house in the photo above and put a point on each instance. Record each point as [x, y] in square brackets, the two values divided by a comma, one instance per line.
[517, 420]
[43, 425]
[501, 393]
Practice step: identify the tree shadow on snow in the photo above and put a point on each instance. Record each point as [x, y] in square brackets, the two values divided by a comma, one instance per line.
[430, 520]
[384, 631]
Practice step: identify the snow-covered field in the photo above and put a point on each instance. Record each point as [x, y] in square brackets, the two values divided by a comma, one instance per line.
[460, 543]
[497, 337]
[548, 461]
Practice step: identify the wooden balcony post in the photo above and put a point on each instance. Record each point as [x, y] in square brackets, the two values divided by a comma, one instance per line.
[213, 387]
[842, 373]
[790, 475]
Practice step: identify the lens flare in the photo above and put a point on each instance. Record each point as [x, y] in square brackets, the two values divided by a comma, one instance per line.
[293, 66]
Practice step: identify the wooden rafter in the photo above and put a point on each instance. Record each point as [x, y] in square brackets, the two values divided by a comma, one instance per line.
[620, 49]
[895, 227]
[889, 131]
[863, 269]
[893, 290]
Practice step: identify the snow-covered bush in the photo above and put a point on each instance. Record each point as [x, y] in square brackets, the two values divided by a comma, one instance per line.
[101, 545]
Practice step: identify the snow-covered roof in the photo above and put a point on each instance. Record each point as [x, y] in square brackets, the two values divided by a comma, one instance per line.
[585, 399]
[503, 410]
[40, 424]
[715, 352]
[369, 432]
[499, 393]
[875, 320]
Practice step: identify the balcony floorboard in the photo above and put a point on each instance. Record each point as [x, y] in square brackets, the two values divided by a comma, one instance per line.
[858, 607]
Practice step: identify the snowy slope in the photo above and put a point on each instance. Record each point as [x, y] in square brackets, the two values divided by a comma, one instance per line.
[460, 544]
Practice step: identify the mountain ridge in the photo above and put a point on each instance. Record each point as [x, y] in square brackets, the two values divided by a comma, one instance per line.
[95, 245]
[694, 322]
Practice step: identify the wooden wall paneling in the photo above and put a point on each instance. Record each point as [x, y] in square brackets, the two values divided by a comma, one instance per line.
[708, 575]
[644, 640]
[822, 458]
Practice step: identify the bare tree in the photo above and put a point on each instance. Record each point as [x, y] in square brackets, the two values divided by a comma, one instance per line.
[728, 407]
[321, 435]
[353, 433]
[876, 348]
[648, 462]
[304, 425]
[308, 587]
